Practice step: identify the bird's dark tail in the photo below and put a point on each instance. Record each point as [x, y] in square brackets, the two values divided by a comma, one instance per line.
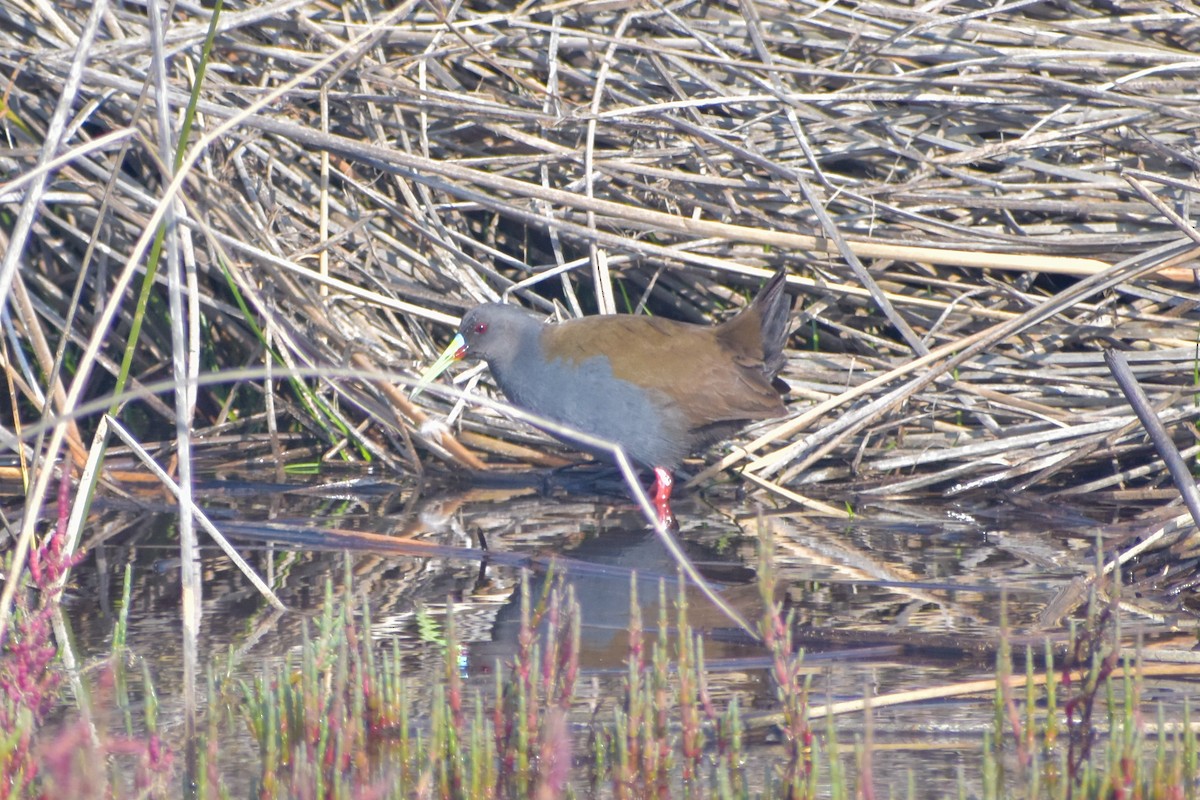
[759, 332]
[775, 308]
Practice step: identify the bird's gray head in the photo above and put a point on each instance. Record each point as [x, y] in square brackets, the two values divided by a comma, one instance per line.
[498, 333]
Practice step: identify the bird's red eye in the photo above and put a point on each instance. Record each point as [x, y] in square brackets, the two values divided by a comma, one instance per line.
[481, 327]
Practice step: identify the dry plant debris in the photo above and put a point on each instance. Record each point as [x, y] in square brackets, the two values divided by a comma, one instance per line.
[974, 202]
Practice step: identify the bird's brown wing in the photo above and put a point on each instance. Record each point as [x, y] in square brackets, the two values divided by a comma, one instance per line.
[688, 363]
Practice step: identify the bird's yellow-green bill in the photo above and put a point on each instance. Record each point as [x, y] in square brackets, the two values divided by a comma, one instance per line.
[453, 352]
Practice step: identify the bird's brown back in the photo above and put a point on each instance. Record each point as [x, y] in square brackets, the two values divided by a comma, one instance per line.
[712, 374]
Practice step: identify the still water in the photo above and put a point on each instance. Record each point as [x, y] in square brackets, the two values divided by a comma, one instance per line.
[902, 595]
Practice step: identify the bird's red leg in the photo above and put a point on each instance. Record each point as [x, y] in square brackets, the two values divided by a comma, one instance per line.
[663, 481]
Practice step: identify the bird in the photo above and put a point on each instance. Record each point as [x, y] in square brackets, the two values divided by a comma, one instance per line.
[659, 388]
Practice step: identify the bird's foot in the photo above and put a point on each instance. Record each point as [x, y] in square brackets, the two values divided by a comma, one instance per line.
[663, 483]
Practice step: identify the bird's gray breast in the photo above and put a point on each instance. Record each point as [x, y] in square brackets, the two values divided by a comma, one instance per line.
[587, 396]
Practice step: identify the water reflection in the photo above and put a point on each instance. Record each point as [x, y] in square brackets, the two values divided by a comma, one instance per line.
[904, 595]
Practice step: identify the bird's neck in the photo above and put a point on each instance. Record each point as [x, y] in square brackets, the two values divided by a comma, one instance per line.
[519, 370]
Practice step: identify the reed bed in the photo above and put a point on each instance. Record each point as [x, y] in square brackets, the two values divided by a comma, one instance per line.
[974, 204]
[285, 207]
